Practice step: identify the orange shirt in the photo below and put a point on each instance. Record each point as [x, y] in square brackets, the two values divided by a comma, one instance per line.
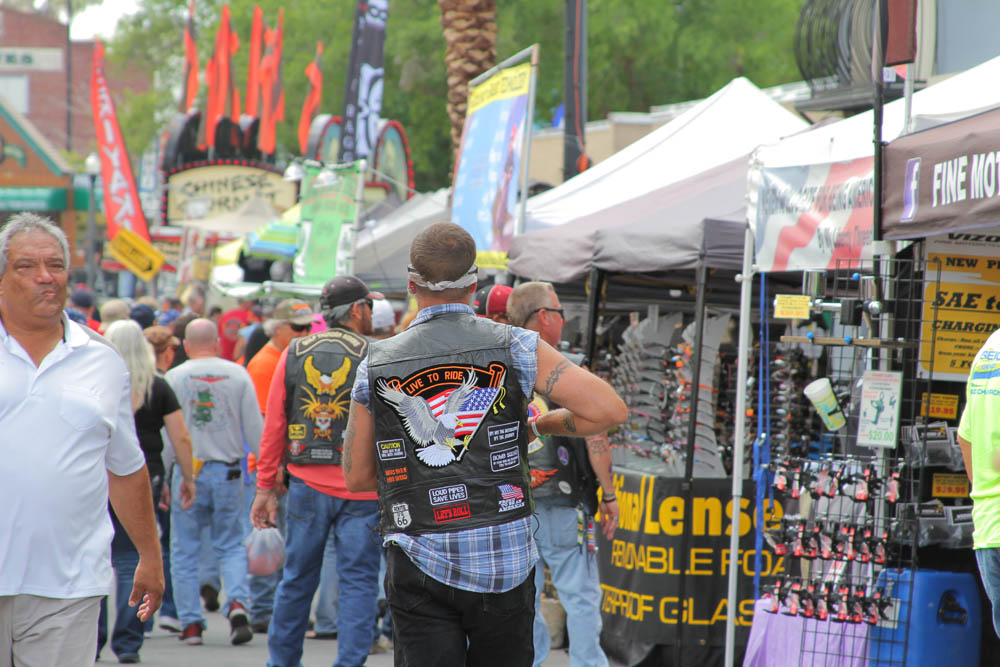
[328, 479]
[261, 368]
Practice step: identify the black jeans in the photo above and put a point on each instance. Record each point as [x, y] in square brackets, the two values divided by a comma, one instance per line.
[435, 624]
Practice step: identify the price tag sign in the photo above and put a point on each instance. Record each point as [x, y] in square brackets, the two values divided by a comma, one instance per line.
[878, 424]
[792, 306]
[949, 486]
[942, 406]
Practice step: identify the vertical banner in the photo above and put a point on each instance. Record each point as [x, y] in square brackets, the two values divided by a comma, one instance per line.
[121, 199]
[967, 301]
[488, 172]
[314, 73]
[272, 85]
[327, 205]
[190, 92]
[365, 74]
[815, 216]
[642, 565]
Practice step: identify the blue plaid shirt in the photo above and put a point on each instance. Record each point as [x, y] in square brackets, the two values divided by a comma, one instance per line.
[492, 559]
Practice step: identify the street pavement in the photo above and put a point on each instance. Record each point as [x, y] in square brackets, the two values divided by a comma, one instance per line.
[163, 649]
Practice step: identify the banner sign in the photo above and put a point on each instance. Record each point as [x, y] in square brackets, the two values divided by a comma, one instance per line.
[365, 74]
[489, 165]
[121, 199]
[816, 216]
[642, 566]
[325, 209]
[967, 301]
[943, 178]
[209, 189]
[136, 254]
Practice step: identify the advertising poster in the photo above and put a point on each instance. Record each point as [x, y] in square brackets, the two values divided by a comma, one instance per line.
[816, 216]
[641, 567]
[967, 301]
[489, 165]
[365, 75]
[325, 209]
[878, 425]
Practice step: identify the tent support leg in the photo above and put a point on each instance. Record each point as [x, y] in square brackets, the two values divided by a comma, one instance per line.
[594, 286]
[687, 484]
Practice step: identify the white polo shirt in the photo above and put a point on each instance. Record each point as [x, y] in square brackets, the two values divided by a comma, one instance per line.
[63, 425]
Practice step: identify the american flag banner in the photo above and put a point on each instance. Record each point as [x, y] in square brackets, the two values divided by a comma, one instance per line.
[510, 492]
[471, 412]
[813, 216]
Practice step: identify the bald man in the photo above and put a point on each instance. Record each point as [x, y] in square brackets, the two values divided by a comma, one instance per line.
[221, 411]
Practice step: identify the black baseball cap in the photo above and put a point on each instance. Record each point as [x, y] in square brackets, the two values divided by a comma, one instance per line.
[82, 298]
[344, 289]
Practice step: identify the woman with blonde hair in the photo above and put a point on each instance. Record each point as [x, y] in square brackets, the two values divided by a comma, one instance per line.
[155, 406]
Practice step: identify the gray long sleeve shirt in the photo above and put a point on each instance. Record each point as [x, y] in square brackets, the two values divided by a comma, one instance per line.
[220, 407]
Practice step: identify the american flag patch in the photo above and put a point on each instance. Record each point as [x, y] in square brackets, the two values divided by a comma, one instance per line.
[510, 492]
[472, 411]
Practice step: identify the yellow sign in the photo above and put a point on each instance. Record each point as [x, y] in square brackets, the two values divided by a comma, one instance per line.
[949, 486]
[942, 406]
[791, 306]
[492, 259]
[962, 305]
[510, 82]
[136, 254]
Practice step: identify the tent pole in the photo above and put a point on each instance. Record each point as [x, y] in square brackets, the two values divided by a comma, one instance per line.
[594, 285]
[739, 441]
[686, 484]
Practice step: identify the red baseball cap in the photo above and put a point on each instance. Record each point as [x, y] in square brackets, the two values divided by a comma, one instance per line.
[492, 300]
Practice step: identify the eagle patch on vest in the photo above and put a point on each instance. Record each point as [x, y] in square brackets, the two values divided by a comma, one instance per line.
[442, 407]
[326, 404]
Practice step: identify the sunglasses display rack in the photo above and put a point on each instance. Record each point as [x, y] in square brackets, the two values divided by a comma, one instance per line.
[654, 372]
[851, 521]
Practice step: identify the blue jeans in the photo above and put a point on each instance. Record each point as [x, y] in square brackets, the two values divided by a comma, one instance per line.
[218, 504]
[262, 588]
[127, 633]
[312, 516]
[574, 574]
[989, 570]
[326, 605]
[167, 607]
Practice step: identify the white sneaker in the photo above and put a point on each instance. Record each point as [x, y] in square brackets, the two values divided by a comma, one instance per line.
[170, 624]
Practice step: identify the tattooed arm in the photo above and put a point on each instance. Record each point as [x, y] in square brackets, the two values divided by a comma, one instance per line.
[589, 404]
[359, 450]
[599, 455]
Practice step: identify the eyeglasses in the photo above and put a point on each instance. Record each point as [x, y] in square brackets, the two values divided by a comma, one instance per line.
[368, 300]
[553, 310]
[300, 328]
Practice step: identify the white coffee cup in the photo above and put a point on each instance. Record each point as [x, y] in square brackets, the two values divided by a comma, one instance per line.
[820, 394]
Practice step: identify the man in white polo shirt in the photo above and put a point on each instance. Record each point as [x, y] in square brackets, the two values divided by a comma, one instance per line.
[67, 445]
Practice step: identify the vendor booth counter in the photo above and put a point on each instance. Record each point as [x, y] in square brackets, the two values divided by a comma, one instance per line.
[643, 566]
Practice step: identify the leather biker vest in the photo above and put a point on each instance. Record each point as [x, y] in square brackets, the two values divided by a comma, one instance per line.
[319, 376]
[560, 467]
[450, 439]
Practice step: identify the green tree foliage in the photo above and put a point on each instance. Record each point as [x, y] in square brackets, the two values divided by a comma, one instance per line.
[640, 54]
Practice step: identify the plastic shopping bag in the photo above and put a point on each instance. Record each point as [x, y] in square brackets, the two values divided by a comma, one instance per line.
[265, 551]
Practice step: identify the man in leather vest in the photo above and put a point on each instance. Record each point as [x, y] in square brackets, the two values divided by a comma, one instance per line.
[304, 426]
[563, 471]
[438, 427]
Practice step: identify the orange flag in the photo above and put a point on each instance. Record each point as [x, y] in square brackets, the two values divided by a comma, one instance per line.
[190, 63]
[314, 72]
[223, 98]
[272, 88]
[253, 68]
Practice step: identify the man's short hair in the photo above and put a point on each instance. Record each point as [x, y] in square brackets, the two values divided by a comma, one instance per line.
[442, 252]
[525, 298]
[29, 222]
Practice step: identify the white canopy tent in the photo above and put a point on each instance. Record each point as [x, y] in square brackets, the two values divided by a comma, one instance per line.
[732, 122]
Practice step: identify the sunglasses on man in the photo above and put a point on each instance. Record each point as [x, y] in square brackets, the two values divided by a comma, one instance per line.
[300, 328]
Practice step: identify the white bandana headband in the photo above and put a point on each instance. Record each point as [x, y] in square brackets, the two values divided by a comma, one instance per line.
[469, 278]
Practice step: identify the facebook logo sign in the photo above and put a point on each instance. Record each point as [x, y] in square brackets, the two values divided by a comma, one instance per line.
[911, 189]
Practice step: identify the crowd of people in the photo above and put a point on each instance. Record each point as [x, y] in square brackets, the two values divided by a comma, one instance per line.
[423, 473]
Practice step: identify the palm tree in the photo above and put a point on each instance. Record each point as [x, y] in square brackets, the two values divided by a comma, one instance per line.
[470, 35]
